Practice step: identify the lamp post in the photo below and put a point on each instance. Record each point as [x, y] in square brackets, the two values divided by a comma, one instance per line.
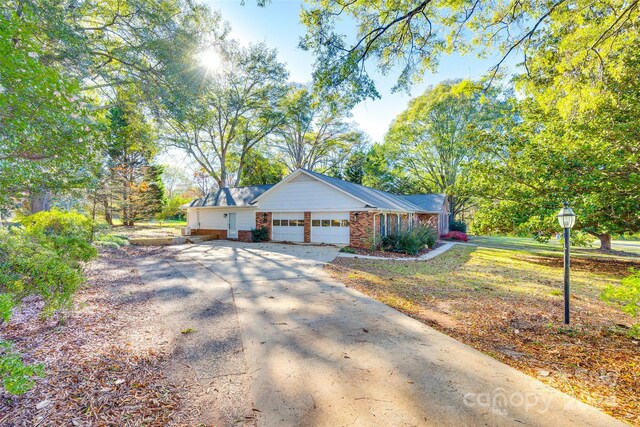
[567, 219]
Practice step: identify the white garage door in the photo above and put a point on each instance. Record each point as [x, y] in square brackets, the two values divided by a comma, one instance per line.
[288, 227]
[330, 227]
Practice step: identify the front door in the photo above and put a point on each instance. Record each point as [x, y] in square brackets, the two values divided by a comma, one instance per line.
[232, 231]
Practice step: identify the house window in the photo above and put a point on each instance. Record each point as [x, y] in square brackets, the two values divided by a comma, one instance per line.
[276, 222]
[344, 223]
[326, 223]
[315, 223]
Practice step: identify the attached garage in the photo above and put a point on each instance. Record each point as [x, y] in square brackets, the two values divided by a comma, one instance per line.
[288, 227]
[330, 227]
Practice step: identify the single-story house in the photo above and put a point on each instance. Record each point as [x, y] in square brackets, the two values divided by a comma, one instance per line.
[313, 208]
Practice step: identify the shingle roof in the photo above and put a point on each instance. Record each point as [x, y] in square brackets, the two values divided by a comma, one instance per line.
[381, 199]
[235, 196]
[428, 202]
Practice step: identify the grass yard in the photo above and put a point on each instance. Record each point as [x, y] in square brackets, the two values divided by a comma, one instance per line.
[626, 247]
[147, 230]
[508, 303]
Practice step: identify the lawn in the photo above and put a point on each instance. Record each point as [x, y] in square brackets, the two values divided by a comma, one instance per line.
[508, 304]
[147, 230]
[626, 247]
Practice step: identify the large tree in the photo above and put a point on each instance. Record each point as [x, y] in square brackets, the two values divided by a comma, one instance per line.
[62, 62]
[228, 111]
[588, 155]
[408, 38]
[315, 133]
[428, 144]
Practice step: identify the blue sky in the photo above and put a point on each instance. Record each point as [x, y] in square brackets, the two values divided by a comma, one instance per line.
[278, 26]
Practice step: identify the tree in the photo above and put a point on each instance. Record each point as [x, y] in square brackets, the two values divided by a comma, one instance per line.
[409, 37]
[227, 112]
[175, 180]
[260, 170]
[61, 65]
[315, 133]
[134, 183]
[589, 156]
[428, 143]
[355, 166]
[45, 126]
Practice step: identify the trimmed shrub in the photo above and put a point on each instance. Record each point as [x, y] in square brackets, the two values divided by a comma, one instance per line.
[111, 241]
[456, 235]
[458, 226]
[259, 234]
[412, 241]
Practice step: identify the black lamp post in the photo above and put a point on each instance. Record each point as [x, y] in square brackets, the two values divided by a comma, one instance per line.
[567, 219]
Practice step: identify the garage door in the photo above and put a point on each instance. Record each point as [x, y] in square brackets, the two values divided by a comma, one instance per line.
[288, 227]
[330, 227]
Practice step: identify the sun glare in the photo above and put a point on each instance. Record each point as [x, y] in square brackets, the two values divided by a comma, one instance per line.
[210, 59]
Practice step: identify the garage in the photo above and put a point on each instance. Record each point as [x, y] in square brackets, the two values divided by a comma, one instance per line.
[288, 227]
[330, 227]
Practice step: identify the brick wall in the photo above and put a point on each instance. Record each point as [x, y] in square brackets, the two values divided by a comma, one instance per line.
[430, 220]
[244, 235]
[217, 234]
[361, 230]
[307, 227]
[263, 220]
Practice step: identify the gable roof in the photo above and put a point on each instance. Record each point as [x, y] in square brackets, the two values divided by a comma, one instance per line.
[374, 198]
[230, 197]
[428, 202]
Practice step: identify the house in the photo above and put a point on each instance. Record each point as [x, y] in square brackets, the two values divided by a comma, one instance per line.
[310, 207]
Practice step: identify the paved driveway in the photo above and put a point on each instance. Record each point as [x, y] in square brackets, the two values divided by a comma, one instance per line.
[319, 353]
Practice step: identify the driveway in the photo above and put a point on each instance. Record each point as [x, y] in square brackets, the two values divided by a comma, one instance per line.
[319, 353]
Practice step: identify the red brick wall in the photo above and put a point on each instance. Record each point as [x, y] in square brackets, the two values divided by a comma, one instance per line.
[244, 235]
[307, 227]
[430, 220]
[263, 220]
[361, 230]
[217, 234]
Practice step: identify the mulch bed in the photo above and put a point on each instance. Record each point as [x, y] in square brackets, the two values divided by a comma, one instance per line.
[92, 375]
[388, 254]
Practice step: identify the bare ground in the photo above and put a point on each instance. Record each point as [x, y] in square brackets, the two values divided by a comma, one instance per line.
[118, 358]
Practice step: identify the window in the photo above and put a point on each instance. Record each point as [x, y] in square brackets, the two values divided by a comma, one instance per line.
[326, 223]
[276, 222]
[335, 223]
[315, 223]
[344, 223]
[284, 222]
[301, 223]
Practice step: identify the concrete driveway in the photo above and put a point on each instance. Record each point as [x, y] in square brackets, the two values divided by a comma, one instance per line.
[319, 353]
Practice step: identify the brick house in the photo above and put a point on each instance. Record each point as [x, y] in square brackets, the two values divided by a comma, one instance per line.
[313, 208]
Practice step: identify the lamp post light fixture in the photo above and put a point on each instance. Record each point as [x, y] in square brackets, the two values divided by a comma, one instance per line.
[567, 219]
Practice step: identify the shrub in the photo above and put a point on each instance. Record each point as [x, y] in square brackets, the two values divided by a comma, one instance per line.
[40, 258]
[67, 233]
[348, 250]
[111, 241]
[626, 295]
[259, 234]
[456, 235]
[458, 226]
[411, 241]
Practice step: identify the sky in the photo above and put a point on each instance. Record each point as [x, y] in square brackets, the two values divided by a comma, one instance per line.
[278, 26]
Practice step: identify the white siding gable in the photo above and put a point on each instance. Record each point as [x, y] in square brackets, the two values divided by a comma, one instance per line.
[306, 194]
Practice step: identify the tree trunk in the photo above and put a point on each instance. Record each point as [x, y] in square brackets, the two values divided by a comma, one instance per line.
[107, 212]
[605, 242]
[40, 201]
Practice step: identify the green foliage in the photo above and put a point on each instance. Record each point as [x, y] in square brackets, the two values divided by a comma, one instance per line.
[627, 295]
[67, 233]
[261, 170]
[348, 250]
[411, 241]
[16, 376]
[171, 209]
[259, 234]
[458, 226]
[111, 240]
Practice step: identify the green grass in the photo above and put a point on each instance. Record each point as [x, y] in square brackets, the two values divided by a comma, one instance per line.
[553, 246]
